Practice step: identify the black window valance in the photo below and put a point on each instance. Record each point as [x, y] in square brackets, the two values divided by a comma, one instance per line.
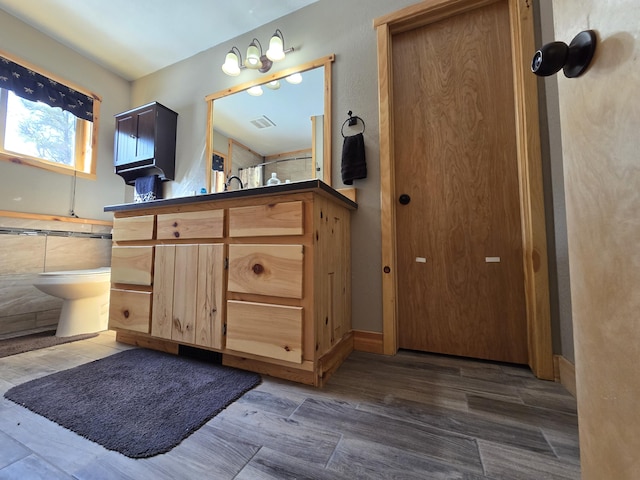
[38, 88]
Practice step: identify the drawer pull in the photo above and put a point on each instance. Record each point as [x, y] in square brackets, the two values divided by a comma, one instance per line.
[126, 314]
[258, 269]
[176, 234]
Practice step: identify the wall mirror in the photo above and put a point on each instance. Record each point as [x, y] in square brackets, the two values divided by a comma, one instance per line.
[285, 130]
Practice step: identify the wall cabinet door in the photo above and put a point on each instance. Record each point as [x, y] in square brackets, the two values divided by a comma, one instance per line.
[188, 294]
[135, 136]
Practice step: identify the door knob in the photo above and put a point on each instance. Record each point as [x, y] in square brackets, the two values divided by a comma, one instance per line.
[404, 199]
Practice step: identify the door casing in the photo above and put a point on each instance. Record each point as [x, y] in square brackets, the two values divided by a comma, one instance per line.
[529, 161]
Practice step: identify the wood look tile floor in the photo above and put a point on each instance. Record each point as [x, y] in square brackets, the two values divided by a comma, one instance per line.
[411, 416]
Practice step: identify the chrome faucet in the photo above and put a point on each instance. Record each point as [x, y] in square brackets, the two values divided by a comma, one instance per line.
[228, 183]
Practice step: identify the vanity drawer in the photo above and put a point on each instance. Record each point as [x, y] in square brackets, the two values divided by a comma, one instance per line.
[133, 228]
[130, 310]
[132, 265]
[273, 331]
[274, 270]
[267, 220]
[206, 224]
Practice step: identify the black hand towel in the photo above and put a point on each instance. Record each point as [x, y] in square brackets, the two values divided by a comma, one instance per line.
[354, 165]
[147, 188]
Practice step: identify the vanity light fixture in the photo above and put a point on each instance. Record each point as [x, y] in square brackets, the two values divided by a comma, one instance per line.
[255, 58]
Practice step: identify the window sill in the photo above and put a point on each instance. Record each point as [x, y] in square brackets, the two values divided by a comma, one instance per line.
[50, 166]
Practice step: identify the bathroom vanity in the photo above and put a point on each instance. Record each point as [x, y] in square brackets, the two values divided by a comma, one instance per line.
[261, 275]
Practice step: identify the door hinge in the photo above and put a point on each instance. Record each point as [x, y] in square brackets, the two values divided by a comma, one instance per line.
[226, 263]
[224, 329]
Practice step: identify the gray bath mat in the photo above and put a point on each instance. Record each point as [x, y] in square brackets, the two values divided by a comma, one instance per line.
[137, 402]
[13, 346]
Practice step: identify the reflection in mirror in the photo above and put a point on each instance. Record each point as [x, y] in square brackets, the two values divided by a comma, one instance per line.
[281, 134]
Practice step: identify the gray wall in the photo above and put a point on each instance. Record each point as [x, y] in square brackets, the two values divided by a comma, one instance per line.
[559, 281]
[33, 190]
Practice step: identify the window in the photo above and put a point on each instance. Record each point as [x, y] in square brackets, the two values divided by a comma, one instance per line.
[45, 123]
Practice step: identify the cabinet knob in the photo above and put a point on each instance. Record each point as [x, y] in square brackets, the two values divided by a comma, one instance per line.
[132, 135]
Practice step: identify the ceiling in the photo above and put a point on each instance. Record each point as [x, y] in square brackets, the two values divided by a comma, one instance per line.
[134, 38]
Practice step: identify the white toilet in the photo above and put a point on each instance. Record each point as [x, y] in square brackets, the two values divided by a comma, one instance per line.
[86, 299]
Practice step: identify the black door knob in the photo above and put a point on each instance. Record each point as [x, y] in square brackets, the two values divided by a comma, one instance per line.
[404, 199]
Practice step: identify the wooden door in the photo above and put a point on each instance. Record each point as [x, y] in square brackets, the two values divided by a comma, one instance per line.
[459, 244]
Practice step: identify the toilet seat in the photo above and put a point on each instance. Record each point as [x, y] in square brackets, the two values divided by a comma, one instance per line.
[98, 272]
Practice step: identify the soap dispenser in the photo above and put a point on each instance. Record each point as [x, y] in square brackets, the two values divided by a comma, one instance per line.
[274, 180]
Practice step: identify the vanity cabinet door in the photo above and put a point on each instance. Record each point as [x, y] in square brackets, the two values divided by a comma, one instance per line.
[133, 228]
[272, 270]
[188, 225]
[188, 294]
[132, 265]
[274, 219]
[273, 331]
[129, 310]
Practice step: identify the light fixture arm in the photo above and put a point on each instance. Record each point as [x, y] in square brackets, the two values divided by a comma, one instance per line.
[259, 44]
[236, 50]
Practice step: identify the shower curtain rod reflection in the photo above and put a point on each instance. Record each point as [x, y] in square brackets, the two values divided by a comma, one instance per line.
[307, 157]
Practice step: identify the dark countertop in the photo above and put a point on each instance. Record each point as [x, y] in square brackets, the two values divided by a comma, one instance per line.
[293, 187]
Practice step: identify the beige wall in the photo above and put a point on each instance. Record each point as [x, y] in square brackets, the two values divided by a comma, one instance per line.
[32, 190]
[600, 119]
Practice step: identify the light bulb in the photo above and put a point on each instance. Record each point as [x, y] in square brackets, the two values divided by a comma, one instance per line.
[276, 49]
[253, 57]
[255, 91]
[294, 78]
[230, 66]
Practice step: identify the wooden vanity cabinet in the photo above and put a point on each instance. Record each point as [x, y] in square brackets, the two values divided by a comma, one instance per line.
[289, 287]
[188, 294]
[263, 280]
[131, 274]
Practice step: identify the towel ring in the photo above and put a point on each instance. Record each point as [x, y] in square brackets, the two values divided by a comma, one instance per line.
[352, 120]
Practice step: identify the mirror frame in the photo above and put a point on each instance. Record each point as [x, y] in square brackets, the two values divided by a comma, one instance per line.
[325, 62]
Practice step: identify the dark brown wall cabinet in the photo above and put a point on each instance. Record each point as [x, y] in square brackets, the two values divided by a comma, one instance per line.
[145, 142]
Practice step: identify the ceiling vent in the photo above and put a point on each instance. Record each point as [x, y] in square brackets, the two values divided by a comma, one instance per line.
[263, 122]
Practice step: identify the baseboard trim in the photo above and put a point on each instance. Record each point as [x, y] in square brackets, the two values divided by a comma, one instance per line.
[565, 373]
[371, 342]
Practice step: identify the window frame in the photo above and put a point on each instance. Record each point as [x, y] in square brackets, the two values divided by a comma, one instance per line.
[86, 151]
